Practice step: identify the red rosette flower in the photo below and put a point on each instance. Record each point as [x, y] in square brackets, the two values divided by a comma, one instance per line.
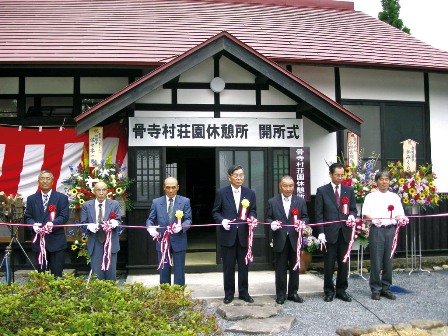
[52, 208]
[344, 200]
[112, 215]
[295, 212]
[390, 208]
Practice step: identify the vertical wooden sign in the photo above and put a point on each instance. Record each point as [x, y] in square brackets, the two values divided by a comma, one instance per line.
[299, 169]
[410, 155]
[95, 146]
[352, 149]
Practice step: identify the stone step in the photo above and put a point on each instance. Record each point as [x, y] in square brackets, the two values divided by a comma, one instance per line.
[262, 327]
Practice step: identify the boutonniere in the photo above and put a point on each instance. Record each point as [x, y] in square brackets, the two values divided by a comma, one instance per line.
[52, 210]
[179, 214]
[345, 205]
[245, 204]
[390, 208]
[295, 214]
[112, 215]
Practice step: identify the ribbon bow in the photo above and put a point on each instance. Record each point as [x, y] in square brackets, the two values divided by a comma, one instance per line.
[165, 248]
[299, 226]
[403, 221]
[107, 251]
[350, 223]
[42, 258]
[252, 222]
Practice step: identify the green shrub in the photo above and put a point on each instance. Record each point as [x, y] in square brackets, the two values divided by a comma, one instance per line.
[66, 306]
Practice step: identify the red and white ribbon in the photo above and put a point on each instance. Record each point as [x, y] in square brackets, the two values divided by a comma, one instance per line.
[165, 248]
[403, 221]
[350, 223]
[299, 226]
[42, 258]
[107, 250]
[252, 223]
[243, 214]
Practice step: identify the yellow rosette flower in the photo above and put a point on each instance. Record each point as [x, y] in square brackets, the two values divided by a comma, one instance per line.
[179, 214]
[245, 203]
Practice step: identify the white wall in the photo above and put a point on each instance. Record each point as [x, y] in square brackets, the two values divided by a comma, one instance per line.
[322, 148]
[438, 97]
[321, 78]
[381, 85]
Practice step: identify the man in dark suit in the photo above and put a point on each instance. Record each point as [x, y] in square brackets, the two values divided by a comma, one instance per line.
[285, 238]
[228, 210]
[50, 208]
[335, 202]
[94, 213]
[163, 213]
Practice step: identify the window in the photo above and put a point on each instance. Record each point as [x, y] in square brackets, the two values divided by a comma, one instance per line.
[386, 125]
[8, 108]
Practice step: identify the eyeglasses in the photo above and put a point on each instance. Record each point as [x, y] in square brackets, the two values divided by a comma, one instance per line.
[339, 175]
[238, 175]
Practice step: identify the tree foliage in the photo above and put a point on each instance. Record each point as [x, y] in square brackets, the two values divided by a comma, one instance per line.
[391, 13]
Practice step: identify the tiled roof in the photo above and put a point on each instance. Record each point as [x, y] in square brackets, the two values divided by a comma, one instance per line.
[151, 32]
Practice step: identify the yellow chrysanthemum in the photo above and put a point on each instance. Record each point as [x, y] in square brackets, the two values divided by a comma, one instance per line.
[401, 181]
[245, 203]
[406, 200]
[119, 190]
[74, 247]
[412, 191]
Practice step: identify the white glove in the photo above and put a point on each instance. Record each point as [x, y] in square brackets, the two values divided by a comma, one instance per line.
[36, 227]
[113, 223]
[225, 224]
[152, 231]
[49, 224]
[177, 228]
[93, 227]
[351, 217]
[321, 238]
[275, 225]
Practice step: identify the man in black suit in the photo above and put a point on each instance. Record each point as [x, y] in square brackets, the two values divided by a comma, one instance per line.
[335, 202]
[228, 210]
[50, 208]
[280, 211]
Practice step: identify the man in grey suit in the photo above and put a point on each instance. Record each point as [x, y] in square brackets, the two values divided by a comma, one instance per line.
[279, 212]
[94, 213]
[162, 213]
[335, 202]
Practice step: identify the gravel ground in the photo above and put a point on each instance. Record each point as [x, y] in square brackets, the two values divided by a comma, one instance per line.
[427, 300]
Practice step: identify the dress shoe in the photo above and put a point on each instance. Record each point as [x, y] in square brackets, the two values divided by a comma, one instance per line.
[344, 297]
[295, 298]
[375, 296]
[280, 300]
[388, 295]
[228, 299]
[328, 298]
[246, 298]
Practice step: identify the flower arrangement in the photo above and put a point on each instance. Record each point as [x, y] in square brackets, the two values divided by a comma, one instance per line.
[80, 242]
[414, 188]
[361, 176]
[309, 242]
[362, 231]
[79, 185]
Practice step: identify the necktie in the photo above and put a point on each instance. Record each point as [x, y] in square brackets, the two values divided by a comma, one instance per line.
[336, 195]
[236, 197]
[45, 201]
[170, 211]
[100, 234]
